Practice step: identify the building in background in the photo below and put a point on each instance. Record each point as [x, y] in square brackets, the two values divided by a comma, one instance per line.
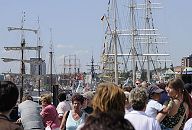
[34, 66]
[187, 61]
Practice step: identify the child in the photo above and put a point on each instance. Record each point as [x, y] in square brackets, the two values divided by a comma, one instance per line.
[153, 106]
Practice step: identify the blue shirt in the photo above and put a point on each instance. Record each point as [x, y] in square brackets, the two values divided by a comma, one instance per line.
[72, 124]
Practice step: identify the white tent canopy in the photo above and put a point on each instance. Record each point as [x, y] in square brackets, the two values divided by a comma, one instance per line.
[169, 72]
[187, 70]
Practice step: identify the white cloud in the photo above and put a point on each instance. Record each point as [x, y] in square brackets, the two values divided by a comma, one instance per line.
[81, 52]
[64, 46]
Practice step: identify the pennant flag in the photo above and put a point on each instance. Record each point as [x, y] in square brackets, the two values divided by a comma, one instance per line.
[102, 18]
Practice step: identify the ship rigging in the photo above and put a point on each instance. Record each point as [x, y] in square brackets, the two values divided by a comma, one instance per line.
[136, 40]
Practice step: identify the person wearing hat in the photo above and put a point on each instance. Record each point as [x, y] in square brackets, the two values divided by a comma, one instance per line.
[153, 106]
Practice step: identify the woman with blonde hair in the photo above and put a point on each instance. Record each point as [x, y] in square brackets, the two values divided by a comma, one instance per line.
[109, 97]
[49, 113]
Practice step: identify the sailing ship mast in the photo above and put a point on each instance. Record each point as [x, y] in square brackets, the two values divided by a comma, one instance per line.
[151, 39]
[114, 37]
[133, 36]
[93, 68]
[51, 63]
[21, 48]
[111, 48]
[142, 43]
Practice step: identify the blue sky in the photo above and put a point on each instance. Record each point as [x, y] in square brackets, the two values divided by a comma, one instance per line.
[77, 28]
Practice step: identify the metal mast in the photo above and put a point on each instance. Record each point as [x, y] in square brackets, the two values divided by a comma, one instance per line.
[133, 34]
[92, 69]
[39, 57]
[114, 36]
[51, 62]
[150, 36]
[21, 48]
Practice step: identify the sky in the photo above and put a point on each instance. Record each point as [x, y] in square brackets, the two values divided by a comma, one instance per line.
[77, 29]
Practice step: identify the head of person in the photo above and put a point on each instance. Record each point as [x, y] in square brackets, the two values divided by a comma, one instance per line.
[162, 85]
[144, 84]
[127, 88]
[88, 96]
[8, 95]
[77, 101]
[154, 92]
[108, 97]
[62, 96]
[45, 99]
[138, 83]
[27, 97]
[175, 90]
[175, 87]
[107, 121]
[127, 104]
[188, 87]
[138, 98]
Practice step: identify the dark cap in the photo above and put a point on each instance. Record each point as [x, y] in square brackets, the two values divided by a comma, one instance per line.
[154, 89]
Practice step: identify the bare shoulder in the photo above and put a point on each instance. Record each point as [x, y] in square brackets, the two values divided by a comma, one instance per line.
[186, 108]
[174, 109]
[185, 105]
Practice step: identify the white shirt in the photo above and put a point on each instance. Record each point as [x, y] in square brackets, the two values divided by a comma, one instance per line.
[141, 121]
[152, 108]
[188, 125]
[62, 107]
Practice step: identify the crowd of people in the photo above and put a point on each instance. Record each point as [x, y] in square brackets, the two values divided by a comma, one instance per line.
[142, 107]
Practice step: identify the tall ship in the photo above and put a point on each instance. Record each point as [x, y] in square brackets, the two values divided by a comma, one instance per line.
[133, 46]
[23, 80]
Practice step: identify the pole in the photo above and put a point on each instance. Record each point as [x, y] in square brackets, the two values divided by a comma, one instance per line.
[39, 80]
[133, 41]
[115, 45]
[22, 69]
[51, 73]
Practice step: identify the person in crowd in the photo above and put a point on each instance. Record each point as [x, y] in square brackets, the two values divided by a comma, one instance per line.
[108, 98]
[153, 106]
[178, 114]
[144, 84]
[164, 96]
[188, 125]
[188, 87]
[49, 113]
[63, 105]
[138, 99]
[107, 121]
[127, 88]
[76, 116]
[87, 102]
[137, 83]
[14, 116]
[127, 103]
[29, 113]
[8, 98]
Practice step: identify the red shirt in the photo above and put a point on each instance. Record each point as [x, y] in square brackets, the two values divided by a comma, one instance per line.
[50, 116]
